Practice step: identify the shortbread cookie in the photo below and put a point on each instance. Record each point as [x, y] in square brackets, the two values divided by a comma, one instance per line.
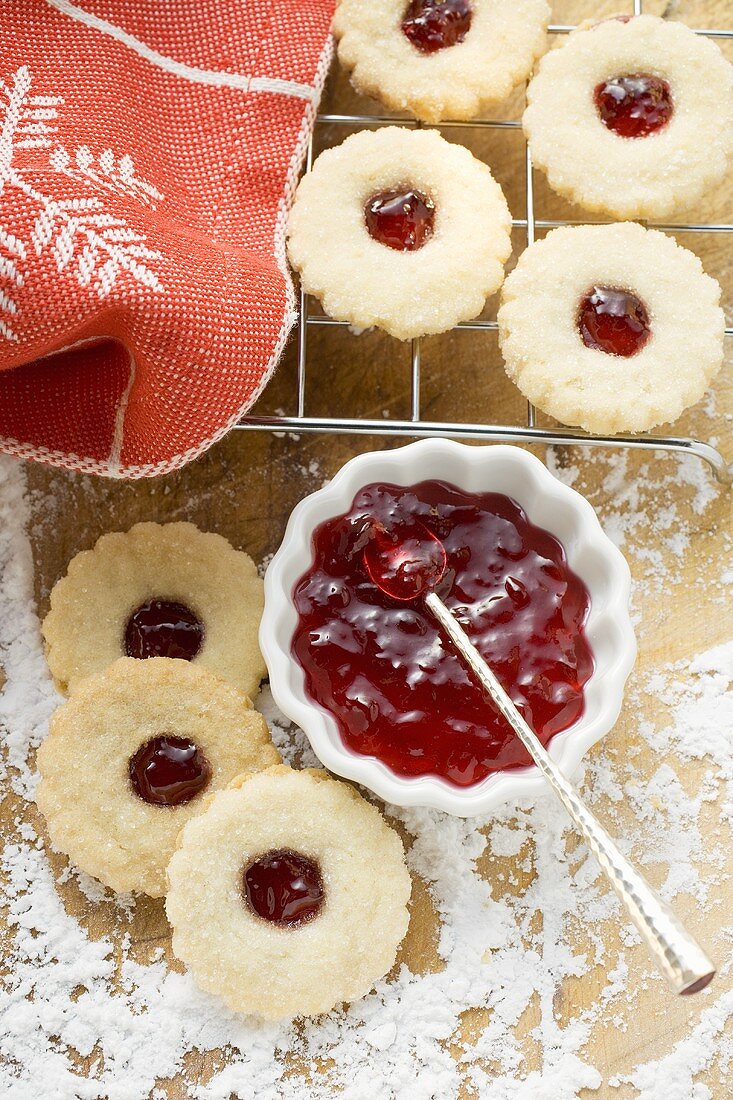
[440, 59]
[133, 755]
[288, 895]
[611, 327]
[400, 229]
[157, 591]
[632, 117]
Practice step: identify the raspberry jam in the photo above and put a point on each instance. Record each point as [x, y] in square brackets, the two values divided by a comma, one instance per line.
[614, 321]
[432, 25]
[168, 771]
[283, 887]
[634, 106]
[405, 561]
[382, 668]
[162, 628]
[402, 219]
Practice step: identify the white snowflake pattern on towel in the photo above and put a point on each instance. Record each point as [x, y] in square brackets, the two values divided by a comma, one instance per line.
[86, 241]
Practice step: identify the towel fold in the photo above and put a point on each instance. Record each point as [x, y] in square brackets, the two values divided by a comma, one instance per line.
[148, 154]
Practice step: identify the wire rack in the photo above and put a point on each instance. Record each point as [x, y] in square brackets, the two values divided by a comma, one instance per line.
[529, 432]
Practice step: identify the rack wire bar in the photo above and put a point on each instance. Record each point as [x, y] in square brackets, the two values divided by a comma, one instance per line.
[495, 433]
[415, 427]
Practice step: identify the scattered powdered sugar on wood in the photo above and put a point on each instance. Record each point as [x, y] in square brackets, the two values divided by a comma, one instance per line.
[28, 697]
[521, 909]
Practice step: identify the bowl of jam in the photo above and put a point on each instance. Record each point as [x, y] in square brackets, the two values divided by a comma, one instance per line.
[372, 680]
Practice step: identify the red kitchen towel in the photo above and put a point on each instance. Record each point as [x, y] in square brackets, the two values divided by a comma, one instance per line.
[148, 154]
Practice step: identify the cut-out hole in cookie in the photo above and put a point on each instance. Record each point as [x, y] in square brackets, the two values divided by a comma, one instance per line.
[614, 321]
[169, 771]
[635, 105]
[432, 25]
[283, 887]
[402, 218]
[163, 628]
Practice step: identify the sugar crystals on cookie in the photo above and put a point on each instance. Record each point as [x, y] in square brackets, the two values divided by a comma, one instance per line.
[400, 229]
[158, 590]
[440, 59]
[134, 754]
[288, 895]
[611, 327]
[632, 116]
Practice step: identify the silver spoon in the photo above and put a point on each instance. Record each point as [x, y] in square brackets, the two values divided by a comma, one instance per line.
[408, 567]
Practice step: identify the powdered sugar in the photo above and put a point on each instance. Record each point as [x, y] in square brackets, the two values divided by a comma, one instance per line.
[518, 910]
[28, 698]
[675, 1074]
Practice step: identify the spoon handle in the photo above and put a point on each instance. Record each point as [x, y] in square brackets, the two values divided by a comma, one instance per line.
[680, 958]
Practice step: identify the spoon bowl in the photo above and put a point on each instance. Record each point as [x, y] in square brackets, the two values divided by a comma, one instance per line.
[405, 561]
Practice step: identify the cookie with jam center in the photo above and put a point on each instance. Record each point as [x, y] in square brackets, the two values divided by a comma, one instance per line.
[134, 754]
[632, 117]
[157, 590]
[613, 328]
[440, 59]
[288, 895]
[401, 230]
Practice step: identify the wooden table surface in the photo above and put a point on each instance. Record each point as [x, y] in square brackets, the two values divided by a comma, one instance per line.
[246, 486]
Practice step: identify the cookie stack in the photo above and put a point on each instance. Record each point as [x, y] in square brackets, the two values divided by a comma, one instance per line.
[611, 327]
[159, 776]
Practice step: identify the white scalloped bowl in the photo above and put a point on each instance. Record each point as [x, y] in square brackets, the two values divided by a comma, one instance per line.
[548, 504]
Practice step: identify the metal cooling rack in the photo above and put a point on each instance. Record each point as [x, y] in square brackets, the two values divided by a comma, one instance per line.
[529, 432]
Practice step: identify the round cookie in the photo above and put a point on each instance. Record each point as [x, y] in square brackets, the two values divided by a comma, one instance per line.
[440, 59]
[611, 327]
[288, 895]
[133, 755]
[164, 590]
[400, 229]
[632, 117]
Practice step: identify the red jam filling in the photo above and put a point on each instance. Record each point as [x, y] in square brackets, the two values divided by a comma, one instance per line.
[162, 628]
[283, 887]
[634, 106]
[614, 321]
[400, 219]
[168, 771]
[432, 25]
[405, 561]
[382, 668]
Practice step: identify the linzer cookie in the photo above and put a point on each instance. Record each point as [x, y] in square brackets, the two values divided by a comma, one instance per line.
[632, 117]
[440, 59]
[159, 590]
[611, 327]
[288, 895]
[401, 230]
[133, 755]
